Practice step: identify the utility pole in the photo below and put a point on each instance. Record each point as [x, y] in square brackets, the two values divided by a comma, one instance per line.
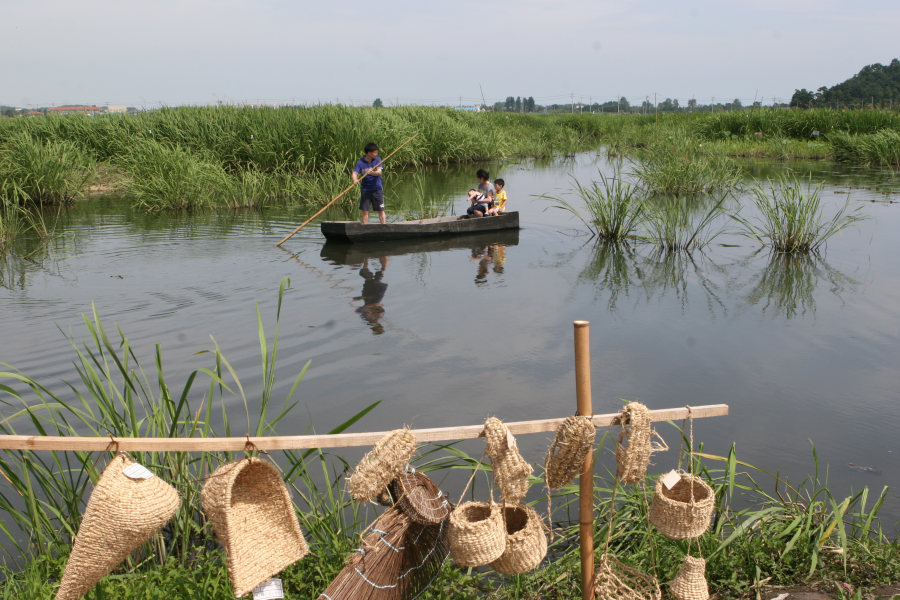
[573, 104]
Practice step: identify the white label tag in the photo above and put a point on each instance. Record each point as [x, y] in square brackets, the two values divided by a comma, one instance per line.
[269, 590]
[510, 440]
[137, 471]
[670, 479]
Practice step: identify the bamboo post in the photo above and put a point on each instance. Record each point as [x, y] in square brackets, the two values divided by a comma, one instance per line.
[586, 480]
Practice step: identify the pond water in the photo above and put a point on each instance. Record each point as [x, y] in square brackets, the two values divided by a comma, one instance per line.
[448, 332]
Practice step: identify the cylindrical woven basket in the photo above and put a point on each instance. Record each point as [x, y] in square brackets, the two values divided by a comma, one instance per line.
[254, 519]
[122, 513]
[690, 583]
[614, 580]
[673, 513]
[477, 534]
[526, 544]
[382, 464]
[565, 458]
[511, 471]
[632, 460]
[420, 498]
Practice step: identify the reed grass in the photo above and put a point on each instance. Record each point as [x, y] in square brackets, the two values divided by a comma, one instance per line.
[880, 149]
[680, 167]
[39, 172]
[612, 208]
[674, 224]
[791, 219]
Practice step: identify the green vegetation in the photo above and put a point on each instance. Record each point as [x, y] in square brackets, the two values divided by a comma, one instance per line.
[682, 168]
[773, 533]
[881, 149]
[614, 208]
[791, 220]
[874, 85]
[673, 224]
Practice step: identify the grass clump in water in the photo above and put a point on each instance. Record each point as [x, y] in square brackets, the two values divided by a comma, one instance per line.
[33, 171]
[791, 219]
[614, 208]
[673, 224]
[682, 168]
[880, 149]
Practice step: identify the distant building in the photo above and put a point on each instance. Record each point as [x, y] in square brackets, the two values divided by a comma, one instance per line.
[72, 110]
[469, 108]
[116, 109]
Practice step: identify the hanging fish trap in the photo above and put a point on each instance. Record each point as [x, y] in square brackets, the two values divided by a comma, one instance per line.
[526, 543]
[477, 534]
[419, 497]
[690, 582]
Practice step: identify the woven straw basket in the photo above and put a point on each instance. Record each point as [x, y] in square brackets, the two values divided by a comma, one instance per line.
[526, 544]
[675, 515]
[382, 464]
[477, 534]
[420, 498]
[511, 471]
[565, 458]
[254, 519]
[690, 583]
[614, 580]
[121, 514]
[632, 460]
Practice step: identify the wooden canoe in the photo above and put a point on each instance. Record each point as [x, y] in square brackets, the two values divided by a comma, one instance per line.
[354, 231]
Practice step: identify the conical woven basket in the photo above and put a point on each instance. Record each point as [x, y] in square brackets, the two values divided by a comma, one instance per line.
[254, 519]
[690, 583]
[381, 465]
[420, 498]
[674, 514]
[526, 544]
[511, 471]
[614, 580]
[122, 513]
[565, 458]
[477, 534]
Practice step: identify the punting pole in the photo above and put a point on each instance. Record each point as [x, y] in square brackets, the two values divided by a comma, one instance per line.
[586, 481]
[335, 199]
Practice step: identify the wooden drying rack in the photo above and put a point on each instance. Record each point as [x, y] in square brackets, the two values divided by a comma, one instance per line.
[346, 440]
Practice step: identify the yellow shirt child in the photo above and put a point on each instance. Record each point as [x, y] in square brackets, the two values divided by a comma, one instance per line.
[499, 195]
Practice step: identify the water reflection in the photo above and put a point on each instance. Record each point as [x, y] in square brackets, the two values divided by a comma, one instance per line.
[787, 286]
[489, 258]
[372, 295]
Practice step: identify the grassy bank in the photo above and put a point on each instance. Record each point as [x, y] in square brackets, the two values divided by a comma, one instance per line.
[766, 531]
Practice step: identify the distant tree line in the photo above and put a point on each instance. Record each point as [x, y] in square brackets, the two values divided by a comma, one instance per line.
[874, 86]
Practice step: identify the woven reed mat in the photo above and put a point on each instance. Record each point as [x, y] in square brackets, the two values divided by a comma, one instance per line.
[526, 544]
[398, 560]
[254, 519]
[511, 471]
[683, 512]
[419, 497]
[690, 582]
[122, 513]
[381, 465]
[632, 460]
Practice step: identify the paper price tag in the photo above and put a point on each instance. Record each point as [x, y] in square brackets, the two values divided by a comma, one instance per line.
[670, 479]
[269, 590]
[137, 471]
[510, 440]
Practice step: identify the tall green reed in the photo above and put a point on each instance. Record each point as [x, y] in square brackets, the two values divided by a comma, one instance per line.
[681, 167]
[791, 219]
[614, 207]
[37, 172]
[678, 224]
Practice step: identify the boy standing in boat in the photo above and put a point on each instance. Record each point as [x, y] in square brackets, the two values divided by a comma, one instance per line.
[371, 195]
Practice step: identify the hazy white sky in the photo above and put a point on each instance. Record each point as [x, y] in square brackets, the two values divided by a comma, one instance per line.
[201, 51]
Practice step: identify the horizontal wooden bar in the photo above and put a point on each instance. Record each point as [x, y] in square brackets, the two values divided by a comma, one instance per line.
[341, 440]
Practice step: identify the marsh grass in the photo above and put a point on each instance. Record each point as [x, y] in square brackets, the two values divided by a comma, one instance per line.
[791, 218]
[675, 224]
[42, 172]
[879, 149]
[612, 208]
[680, 167]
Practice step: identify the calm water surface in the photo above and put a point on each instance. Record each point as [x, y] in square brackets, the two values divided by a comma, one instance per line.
[448, 332]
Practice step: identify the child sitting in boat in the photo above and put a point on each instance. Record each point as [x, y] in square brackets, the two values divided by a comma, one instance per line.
[499, 205]
[479, 203]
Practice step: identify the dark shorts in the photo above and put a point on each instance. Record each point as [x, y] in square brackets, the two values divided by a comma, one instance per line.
[482, 208]
[372, 200]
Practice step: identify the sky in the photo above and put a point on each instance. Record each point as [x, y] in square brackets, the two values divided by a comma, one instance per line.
[55, 52]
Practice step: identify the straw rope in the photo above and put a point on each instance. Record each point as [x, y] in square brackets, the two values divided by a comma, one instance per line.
[382, 464]
[511, 471]
[683, 512]
[254, 519]
[419, 497]
[632, 460]
[526, 544]
[121, 514]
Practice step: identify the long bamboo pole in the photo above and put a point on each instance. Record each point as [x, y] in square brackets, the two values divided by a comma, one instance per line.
[341, 440]
[586, 480]
[336, 198]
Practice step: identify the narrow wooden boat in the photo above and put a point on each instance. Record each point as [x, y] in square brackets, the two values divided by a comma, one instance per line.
[354, 231]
